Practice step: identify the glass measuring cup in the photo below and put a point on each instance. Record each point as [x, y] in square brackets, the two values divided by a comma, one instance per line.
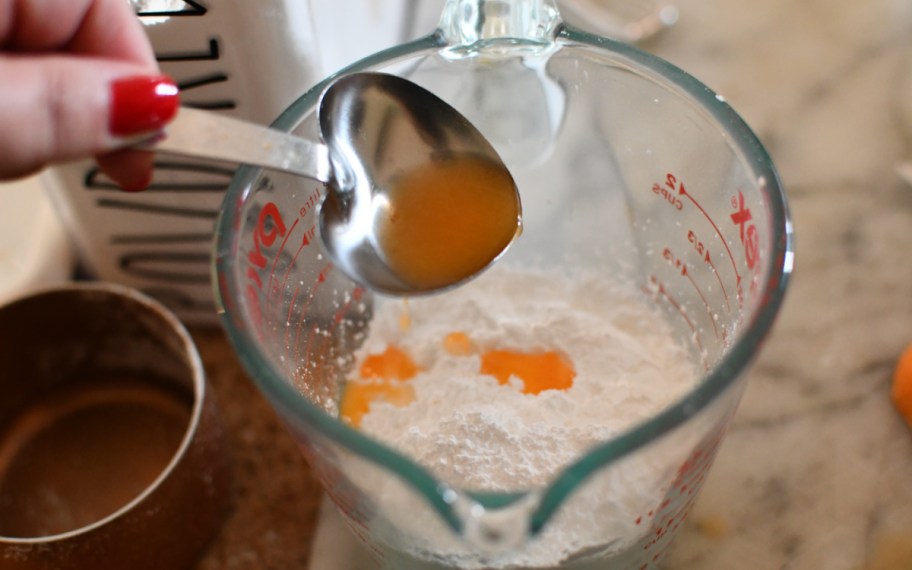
[627, 167]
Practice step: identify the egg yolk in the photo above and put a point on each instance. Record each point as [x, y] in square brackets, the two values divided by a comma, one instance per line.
[359, 396]
[538, 371]
[458, 344]
[392, 364]
[382, 378]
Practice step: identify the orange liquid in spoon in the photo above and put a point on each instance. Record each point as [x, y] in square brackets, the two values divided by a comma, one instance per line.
[448, 220]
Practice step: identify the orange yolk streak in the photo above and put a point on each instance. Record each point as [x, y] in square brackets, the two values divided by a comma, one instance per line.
[383, 378]
[539, 371]
[359, 396]
[393, 364]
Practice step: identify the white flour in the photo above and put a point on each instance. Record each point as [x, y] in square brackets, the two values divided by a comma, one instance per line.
[474, 433]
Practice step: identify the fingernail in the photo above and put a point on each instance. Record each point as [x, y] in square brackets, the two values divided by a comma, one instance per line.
[142, 104]
[137, 183]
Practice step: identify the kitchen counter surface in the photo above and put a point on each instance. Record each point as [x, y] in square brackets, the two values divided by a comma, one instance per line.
[817, 469]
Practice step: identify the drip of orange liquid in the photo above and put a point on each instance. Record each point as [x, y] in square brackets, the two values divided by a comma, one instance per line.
[448, 220]
[382, 378]
[539, 371]
[405, 317]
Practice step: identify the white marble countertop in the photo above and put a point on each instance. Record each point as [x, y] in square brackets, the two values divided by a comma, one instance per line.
[817, 469]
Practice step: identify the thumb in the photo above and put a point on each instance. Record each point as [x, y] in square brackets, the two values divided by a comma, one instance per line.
[57, 108]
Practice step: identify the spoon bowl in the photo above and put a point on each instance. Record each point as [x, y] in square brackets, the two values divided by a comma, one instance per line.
[420, 201]
[416, 201]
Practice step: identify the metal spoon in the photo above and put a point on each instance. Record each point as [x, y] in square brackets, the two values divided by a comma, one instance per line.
[376, 129]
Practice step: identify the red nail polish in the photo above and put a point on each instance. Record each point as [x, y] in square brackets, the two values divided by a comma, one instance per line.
[142, 104]
[137, 184]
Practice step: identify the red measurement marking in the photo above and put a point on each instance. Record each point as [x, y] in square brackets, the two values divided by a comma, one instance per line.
[681, 265]
[255, 277]
[668, 195]
[321, 278]
[310, 203]
[294, 260]
[270, 290]
[288, 355]
[309, 235]
[677, 306]
[672, 181]
[281, 249]
[264, 237]
[304, 243]
[700, 248]
[702, 298]
[747, 232]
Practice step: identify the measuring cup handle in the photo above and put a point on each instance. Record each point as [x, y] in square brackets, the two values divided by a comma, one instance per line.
[465, 22]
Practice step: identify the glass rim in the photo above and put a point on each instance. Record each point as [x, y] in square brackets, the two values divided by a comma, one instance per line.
[291, 404]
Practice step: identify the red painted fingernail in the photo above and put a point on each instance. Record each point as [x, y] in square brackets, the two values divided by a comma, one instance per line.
[137, 184]
[142, 104]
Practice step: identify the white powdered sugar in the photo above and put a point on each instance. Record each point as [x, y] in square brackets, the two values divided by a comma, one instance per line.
[474, 433]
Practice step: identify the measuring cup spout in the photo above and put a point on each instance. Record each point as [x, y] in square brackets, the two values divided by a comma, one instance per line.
[495, 526]
[467, 22]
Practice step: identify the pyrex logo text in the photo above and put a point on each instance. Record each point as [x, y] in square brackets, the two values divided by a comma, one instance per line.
[747, 231]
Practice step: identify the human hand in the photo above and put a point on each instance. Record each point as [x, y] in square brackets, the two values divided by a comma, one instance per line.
[77, 79]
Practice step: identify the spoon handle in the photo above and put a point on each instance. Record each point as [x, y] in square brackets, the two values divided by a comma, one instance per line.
[204, 134]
